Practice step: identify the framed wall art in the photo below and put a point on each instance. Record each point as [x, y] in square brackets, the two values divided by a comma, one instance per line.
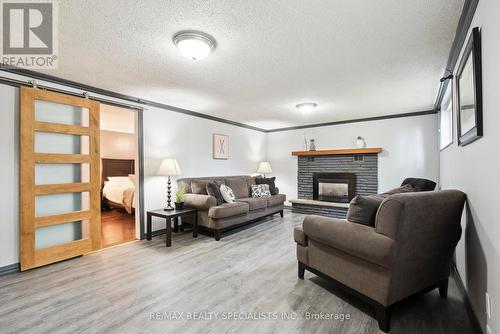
[220, 146]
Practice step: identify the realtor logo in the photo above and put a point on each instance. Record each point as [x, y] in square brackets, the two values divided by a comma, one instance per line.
[29, 34]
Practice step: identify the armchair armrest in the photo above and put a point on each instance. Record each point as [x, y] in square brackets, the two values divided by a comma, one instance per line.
[299, 236]
[201, 202]
[358, 240]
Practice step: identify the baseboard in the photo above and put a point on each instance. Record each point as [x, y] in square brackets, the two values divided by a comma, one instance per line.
[476, 325]
[11, 268]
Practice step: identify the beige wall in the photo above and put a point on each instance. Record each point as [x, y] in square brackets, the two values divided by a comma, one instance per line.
[117, 145]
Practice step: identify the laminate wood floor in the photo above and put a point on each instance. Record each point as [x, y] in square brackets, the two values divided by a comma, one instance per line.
[117, 227]
[133, 287]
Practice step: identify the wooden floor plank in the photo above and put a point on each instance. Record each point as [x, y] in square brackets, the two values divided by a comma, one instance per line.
[253, 270]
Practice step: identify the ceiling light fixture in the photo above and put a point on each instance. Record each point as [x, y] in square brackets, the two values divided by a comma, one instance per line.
[306, 107]
[194, 44]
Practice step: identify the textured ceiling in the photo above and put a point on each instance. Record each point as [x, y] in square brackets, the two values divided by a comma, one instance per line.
[356, 58]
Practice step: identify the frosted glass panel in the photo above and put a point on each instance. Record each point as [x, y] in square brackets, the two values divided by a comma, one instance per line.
[57, 234]
[61, 173]
[61, 203]
[46, 142]
[60, 113]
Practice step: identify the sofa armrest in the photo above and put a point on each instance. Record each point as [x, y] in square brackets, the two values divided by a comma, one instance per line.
[358, 240]
[299, 236]
[201, 202]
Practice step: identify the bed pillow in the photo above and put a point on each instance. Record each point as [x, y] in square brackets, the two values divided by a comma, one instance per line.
[133, 178]
[227, 193]
[120, 180]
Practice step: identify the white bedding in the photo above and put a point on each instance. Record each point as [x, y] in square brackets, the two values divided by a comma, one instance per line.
[115, 191]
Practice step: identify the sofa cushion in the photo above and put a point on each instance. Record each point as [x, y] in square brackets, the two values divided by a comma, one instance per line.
[199, 187]
[228, 210]
[269, 181]
[363, 209]
[239, 186]
[213, 189]
[250, 182]
[276, 200]
[254, 203]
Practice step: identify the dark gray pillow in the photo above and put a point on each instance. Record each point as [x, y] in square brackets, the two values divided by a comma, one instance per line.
[407, 188]
[363, 209]
[269, 181]
[420, 184]
[213, 189]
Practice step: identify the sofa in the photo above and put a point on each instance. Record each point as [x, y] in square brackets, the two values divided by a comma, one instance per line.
[219, 218]
[409, 250]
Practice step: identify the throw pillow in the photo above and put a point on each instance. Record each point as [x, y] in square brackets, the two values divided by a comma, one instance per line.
[269, 181]
[420, 184]
[261, 190]
[363, 209]
[199, 187]
[213, 189]
[227, 193]
[403, 189]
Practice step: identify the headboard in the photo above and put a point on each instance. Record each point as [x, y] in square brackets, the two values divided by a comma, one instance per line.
[117, 167]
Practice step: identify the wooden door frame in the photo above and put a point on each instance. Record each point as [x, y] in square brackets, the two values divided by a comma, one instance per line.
[140, 164]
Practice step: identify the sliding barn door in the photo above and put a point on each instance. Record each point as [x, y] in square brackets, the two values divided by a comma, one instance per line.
[59, 177]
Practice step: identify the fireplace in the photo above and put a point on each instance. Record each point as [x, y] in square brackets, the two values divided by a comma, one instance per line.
[334, 187]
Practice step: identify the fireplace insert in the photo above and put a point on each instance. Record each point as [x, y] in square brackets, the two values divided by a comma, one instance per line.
[334, 187]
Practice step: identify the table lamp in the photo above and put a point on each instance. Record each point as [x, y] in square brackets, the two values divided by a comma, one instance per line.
[169, 167]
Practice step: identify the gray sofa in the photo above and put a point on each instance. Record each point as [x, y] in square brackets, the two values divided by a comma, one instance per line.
[409, 250]
[218, 218]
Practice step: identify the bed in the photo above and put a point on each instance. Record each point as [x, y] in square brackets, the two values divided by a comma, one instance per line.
[118, 184]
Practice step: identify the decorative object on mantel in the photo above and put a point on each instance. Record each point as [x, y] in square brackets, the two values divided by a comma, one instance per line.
[169, 167]
[312, 145]
[469, 92]
[360, 142]
[180, 194]
[264, 167]
[220, 147]
[344, 151]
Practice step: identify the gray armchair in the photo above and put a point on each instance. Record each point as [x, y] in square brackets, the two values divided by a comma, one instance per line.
[409, 250]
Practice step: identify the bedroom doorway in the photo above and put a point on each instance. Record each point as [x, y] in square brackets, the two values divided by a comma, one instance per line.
[119, 163]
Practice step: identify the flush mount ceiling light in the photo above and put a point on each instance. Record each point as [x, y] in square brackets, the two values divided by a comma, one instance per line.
[194, 44]
[306, 107]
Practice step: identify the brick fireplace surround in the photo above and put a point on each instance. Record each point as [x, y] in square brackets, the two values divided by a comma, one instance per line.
[363, 165]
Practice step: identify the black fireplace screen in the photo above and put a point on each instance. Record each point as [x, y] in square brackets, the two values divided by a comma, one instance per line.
[333, 187]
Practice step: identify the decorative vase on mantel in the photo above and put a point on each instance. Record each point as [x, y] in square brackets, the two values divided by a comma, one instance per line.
[312, 145]
[360, 142]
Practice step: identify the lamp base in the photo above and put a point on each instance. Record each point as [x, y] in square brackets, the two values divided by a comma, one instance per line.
[168, 208]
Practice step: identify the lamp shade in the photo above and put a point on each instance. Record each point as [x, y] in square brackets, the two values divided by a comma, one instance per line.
[169, 167]
[264, 167]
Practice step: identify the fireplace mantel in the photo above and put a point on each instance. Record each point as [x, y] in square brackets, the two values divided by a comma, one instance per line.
[343, 151]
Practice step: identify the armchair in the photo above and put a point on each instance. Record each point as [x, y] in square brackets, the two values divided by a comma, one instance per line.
[408, 251]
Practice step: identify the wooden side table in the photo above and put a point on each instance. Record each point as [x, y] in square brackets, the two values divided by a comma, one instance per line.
[169, 215]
